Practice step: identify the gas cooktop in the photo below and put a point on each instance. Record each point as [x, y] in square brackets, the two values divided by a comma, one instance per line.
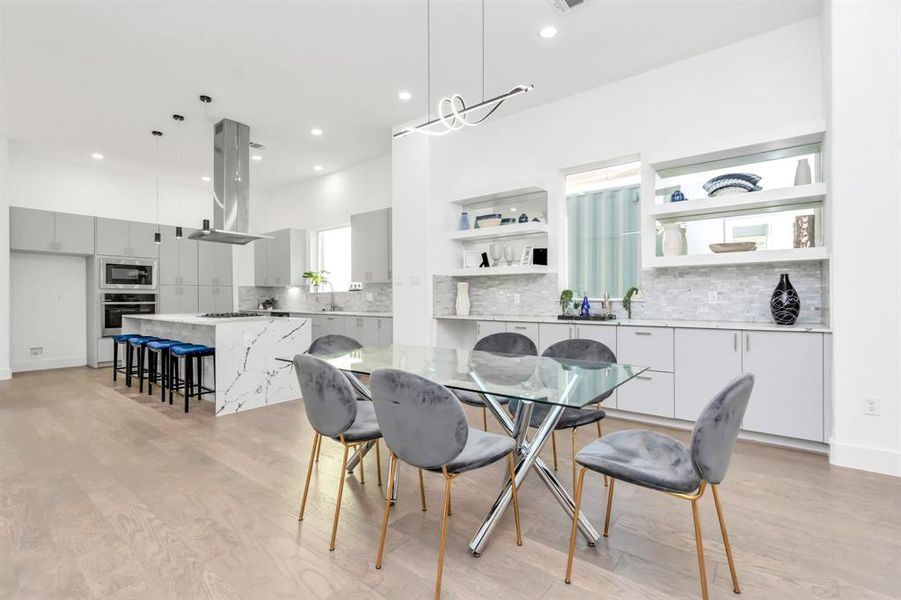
[229, 315]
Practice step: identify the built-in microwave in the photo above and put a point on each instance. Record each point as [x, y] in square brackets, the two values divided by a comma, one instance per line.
[127, 274]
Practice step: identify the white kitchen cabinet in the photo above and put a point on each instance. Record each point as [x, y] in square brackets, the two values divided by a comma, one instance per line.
[370, 241]
[182, 299]
[386, 331]
[484, 328]
[604, 334]
[214, 298]
[650, 393]
[530, 330]
[105, 350]
[178, 258]
[32, 230]
[214, 264]
[282, 260]
[551, 333]
[788, 383]
[73, 234]
[332, 325]
[115, 237]
[651, 347]
[363, 329]
[705, 361]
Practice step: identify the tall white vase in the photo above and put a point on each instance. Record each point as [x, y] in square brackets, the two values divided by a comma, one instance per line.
[802, 172]
[462, 304]
[674, 240]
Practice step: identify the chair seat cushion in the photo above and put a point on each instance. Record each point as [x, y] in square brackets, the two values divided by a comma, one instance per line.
[365, 427]
[576, 417]
[162, 344]
[646, 458]
[482, 448]
[475, 399]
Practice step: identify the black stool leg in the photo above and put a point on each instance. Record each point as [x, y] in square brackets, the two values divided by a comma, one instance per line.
[128, 356]
[173, 375]
[141, 353]
[200, 377]
[151, 370]
[189, 380]
[164, 374]
[115, 359]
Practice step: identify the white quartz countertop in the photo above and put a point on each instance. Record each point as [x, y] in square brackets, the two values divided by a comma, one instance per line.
[191, 319]
[339, 313]
[746, 326]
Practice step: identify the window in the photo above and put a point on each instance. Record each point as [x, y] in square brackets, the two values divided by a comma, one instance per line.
[603, 230]
[333, 255]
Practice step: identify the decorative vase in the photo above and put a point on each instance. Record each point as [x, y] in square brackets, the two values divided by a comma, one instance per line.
[785, 305]
[509, 255]
[462, 305]
[523, 218]
[464, 221]
[674, 241]
[802, 172]
[677, 196]
[804, 231]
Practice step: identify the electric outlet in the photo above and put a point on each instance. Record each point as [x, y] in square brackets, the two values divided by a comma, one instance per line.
[871, 405]
[516, 298]
[37, 350]
[712, 297]
[369, 297]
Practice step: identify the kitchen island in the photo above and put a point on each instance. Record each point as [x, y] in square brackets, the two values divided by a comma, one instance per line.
[247, 375]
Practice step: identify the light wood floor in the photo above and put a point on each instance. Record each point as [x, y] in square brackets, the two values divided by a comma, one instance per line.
[108, 494]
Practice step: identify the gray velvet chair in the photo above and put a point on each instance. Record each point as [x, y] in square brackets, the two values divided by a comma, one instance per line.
[425, 426]
[334, 412]
[512, 343]
[659, 462]
[573, 418]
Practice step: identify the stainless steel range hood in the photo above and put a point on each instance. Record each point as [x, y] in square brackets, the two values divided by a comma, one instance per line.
[231, 186]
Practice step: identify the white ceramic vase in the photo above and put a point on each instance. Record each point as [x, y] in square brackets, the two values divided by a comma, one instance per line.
[802, 172]
[674, 241]
[462, 304]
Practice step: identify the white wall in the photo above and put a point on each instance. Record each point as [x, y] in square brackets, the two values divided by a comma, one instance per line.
[5, 371]
[864, 46]
[51, 315]
[759, 85]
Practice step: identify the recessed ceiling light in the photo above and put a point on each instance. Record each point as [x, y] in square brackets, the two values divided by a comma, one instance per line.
[404, 95]
[205, 178]
[317, 168]
[316, 131]
[548, 32]
[257, 157]
[97, 156]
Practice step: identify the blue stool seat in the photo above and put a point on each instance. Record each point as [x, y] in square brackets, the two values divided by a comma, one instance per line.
[193, 355]
[141, 340]
[123, 337]
[191, 350]
[162, 344]
[157, 366]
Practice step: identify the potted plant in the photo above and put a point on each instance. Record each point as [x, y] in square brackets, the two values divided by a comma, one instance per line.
[627, 300]
[319, 278]
[566, 301]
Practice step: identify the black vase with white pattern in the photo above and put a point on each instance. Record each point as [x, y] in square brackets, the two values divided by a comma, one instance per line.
[785, 303]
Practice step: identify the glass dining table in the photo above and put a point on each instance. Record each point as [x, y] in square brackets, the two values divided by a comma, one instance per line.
[555, 382]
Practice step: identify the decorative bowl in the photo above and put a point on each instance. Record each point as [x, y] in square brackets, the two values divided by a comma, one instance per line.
[733, 247]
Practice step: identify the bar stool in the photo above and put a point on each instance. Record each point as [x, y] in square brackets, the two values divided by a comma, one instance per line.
[189, 352]
[158, 364]
[122, 338]
[136, 342]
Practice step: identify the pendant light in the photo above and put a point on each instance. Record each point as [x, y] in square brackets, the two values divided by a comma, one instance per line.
[453, 114]
[157, 237]
[178, 121]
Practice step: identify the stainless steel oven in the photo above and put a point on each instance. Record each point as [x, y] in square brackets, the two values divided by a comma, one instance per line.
[127, 274]
[117, 305]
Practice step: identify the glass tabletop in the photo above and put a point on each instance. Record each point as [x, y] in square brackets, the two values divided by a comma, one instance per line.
[572, 383]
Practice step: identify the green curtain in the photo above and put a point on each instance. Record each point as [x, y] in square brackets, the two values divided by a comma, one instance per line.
[603, 241]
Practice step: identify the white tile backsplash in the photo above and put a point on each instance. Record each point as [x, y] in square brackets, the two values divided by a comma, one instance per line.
[301, 300]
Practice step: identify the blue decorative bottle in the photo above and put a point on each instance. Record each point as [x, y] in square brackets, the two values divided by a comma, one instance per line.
[464, 221]
[586, 307]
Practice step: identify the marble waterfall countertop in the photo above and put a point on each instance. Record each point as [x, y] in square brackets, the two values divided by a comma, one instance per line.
[744, 326]
[246, 373]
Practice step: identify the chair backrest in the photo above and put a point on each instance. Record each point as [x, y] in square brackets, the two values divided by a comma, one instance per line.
[328, 398]
[507, 343]
[333, 344]
[421, 421]
[715, 431]
[587, 350]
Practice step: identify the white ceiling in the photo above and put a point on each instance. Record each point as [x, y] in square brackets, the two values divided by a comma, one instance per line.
[83, 77]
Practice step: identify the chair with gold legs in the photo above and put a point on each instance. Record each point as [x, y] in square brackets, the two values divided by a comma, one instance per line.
[512, 343]
[334, 412]
[590, 354]
[660, 462]
[424, 425]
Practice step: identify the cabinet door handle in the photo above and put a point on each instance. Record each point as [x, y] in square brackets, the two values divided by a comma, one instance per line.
[735, 342]
[644, 377]
[570, 332]
[747, 342]
[642, 333]
[520, 327]
[578, 332]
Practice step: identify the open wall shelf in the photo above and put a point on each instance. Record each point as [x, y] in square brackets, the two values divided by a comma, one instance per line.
[740, 258]
[500, 231]
[511, 270]
[798, 195]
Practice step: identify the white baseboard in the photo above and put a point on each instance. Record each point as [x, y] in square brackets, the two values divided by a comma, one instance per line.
[865, 458]
[48, 363]
[6, 374]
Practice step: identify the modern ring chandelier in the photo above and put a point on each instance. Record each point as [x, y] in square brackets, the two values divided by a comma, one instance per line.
[453, 114]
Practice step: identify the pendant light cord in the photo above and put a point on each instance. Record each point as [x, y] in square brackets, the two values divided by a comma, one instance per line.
[157, 149]
[483, 50]
[428, 58]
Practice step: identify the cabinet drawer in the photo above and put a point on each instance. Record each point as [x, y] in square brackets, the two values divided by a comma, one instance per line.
[484, 328]
[651, 393]
[647, 346]
[105, 350]
[530, 330]
[551, 333]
